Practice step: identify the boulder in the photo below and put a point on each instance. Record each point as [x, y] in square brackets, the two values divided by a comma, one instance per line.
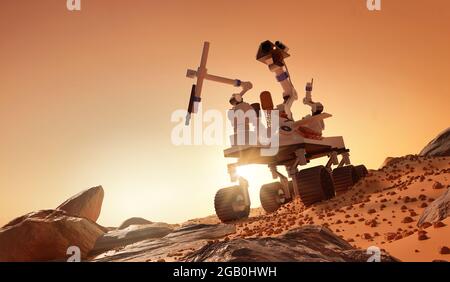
[46, 236]
[437, 211]
[181, 240]
[133, 221]
[87, 204]
[439, 146]
[131, 234]
[209, 243]
[309, 243]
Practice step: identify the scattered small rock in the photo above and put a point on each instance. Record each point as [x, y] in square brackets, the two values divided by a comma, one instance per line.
[407, 219]
[439, 224]
[444, 250]
[438, 185]
[422, 235]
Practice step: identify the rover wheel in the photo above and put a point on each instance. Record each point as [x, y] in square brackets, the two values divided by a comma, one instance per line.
[315, 185]
[344, 178]
[272, 196]
[361, 171]
[229, 204]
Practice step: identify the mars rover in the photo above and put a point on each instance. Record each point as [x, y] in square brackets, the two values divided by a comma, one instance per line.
[299, 142]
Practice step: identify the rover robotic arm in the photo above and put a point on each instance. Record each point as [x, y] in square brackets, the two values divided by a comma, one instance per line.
[201, 73]
[316, 107]
[273, 55]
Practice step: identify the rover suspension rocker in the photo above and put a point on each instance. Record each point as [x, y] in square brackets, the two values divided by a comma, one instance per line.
[299, 142]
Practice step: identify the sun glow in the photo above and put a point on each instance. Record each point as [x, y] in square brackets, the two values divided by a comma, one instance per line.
[245, 171]
[256, 175]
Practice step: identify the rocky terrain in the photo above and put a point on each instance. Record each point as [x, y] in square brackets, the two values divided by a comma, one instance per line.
[47, 234]
[439, 146]
[401, 208]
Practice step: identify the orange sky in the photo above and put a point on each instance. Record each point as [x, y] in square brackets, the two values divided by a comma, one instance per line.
[86, 97]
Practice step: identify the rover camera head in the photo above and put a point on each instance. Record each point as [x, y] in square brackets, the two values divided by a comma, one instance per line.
[272, 54]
